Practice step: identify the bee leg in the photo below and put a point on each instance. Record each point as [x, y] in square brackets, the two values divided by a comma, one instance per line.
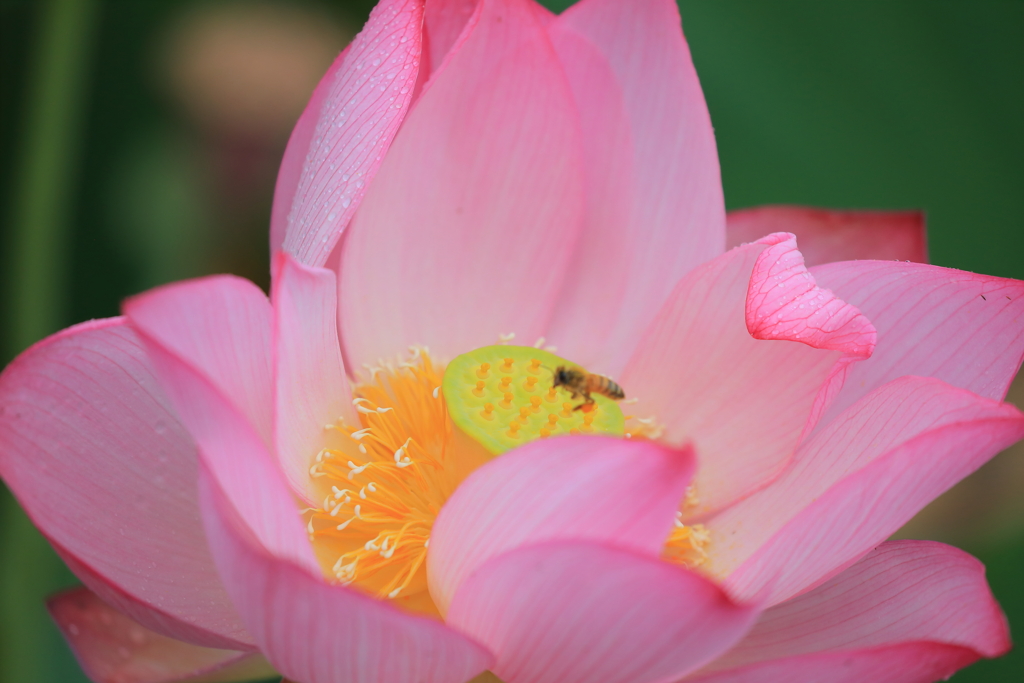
[588, 402]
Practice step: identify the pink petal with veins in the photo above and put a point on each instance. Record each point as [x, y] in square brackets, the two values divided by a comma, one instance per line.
[855, 483]
[744, 402]
[580, 487]
[466, 231]
[311, 390]
[576, 612]
[360, 115]
[963, 328]
[203, 337]
[113, 648]
[655, 209]
[94, 453]
[903, 602]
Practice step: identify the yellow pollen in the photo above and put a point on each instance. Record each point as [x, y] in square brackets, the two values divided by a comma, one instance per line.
[383, 481]
[687, 544]
[517, 414]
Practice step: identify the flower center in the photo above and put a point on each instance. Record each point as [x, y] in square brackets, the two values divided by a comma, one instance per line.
[421, 431]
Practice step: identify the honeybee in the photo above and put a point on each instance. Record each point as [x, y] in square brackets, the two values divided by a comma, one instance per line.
[582, 383]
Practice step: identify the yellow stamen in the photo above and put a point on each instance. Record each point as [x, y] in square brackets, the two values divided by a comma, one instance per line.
[383, 482]
[687, 544]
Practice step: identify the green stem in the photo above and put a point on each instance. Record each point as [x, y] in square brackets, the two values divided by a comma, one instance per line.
[46, 172]
[36, 282]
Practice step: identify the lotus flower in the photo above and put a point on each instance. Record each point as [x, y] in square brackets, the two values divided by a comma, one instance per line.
[468, 170]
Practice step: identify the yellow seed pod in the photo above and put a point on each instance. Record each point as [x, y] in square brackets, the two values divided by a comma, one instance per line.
[502, 397]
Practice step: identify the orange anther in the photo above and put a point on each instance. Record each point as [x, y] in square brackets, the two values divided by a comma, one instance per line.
[488, 411]
[531, 382]
[482, 372]
[534, 366]
[507, 402]
[535, 402]
[566, 409]
[586, 428]
[552, 419]
[479, 391]
[505, 381]
[524, 412]
[507, 365]
[552, 395]
[574, 431]
[588, 418]
[544, 433]
[513, 429]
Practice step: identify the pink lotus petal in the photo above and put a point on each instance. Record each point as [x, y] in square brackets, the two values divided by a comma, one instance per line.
[856, 482]
[901, 593]
[203, 336]
[361, 112]
[93, 452]
[582, 488]
[112, 648]
[659, 177]
[444, 22]
[181, 627]
[826, 236]
[490, 150]
[290, 171]
[545, 16]
[319, 633]
[963, 328]
[904, 663]
[311, 389]
[784, 302]
[571, 611]
[598, 278]
[743, 402]
[222, 326]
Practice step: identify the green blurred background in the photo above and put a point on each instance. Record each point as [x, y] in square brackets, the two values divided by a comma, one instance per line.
[139, 142]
